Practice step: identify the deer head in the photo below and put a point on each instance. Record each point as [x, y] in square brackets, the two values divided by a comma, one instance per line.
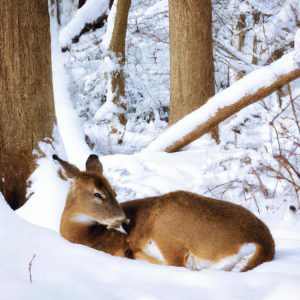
[91, 199]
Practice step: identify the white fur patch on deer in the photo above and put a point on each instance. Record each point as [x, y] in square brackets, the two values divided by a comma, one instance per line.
[84, 219]
[234, 262]
[153, 251]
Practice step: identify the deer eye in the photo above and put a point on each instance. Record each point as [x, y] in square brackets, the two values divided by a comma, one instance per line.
[99, 196]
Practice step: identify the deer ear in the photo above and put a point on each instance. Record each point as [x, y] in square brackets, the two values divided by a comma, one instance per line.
[71, 170]
[93, 164]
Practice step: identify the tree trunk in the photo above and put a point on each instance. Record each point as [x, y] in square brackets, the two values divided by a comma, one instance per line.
[81, 3]
[117, 46]
[191, 56]
[26, 99]
[241, 25]
[225, 104]
[256, 19]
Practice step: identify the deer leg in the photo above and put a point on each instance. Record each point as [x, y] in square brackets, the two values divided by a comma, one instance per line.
[137, 242]
[173, 253]
[177, 258]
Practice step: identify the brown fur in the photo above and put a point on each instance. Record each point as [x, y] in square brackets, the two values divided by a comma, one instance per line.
[182, 223]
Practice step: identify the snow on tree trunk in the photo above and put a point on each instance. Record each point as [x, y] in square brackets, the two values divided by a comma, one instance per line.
[113, 111]
[117, 46]
[252, 88]
[26, 99]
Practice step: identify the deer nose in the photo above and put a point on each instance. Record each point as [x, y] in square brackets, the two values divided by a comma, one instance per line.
[115, 224]
[119, 220]
[122, 217]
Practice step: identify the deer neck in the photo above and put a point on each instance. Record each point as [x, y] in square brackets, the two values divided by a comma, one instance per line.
[80, 228]
[77, 229]
[74, 223]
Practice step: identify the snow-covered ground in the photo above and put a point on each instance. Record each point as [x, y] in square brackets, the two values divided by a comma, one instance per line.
[61, 270]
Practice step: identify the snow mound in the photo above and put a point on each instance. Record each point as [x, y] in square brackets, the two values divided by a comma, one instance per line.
[61, 270]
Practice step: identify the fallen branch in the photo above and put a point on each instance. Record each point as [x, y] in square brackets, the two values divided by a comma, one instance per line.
[253, 87]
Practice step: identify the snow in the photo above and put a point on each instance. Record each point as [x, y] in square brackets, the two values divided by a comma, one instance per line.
[147, 82]
[48, 194]
[297, 40]
[247, 85]
[106, 40]
[297, 46]
[87, 14]
[236, 54]
[109, 108]
[67, 120]
[62, 270]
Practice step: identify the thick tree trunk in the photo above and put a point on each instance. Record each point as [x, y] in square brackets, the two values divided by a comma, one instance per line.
[26, 99]
[191, 56]
[117, 46]
[250, 89]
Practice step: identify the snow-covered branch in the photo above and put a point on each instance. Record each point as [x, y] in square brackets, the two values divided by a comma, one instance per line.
[89, 13]
[252, 88]
[235, 54]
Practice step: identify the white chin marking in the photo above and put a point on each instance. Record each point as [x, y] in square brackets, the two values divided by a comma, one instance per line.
[152, 250]
[83, 219]
[120, 229]
[87, 220]
[231, 263]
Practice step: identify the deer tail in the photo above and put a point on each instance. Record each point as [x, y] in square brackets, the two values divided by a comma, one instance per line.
[264, 252]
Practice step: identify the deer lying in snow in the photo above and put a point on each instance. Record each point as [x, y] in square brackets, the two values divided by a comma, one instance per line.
[189, 230]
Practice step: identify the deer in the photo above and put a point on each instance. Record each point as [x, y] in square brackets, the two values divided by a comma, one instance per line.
[189, 230]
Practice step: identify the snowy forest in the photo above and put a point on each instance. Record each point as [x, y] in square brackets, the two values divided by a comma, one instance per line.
[149, 149]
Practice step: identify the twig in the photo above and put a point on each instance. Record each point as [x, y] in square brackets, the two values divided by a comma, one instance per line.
[256, 203]
[30, 266]
[293, 106]
[277, 137]
[279, 114]
[290, 165]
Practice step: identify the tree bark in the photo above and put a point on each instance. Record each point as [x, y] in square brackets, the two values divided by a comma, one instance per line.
[189, 128]
[191, 56]
[26, 99]
[117, 46]
[241, 25]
